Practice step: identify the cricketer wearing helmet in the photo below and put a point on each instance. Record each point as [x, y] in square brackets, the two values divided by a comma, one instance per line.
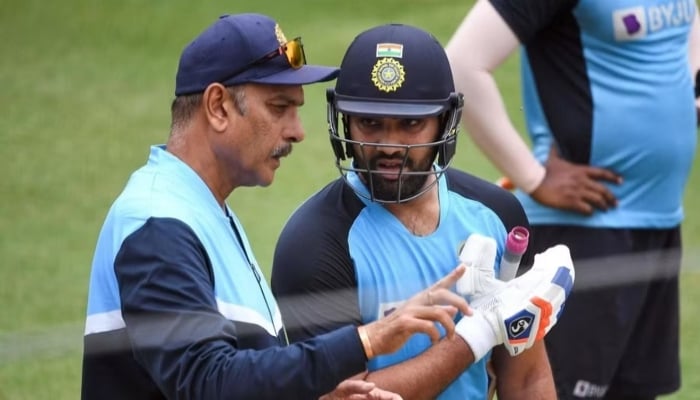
[394, 222]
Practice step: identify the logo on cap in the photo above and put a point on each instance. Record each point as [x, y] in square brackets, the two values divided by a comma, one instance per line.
[388, 74]
[280, 35]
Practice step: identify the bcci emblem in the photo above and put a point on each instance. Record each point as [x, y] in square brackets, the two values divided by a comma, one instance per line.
[388, 75]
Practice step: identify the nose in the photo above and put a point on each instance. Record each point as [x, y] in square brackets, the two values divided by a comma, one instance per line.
[295, 132]
[392, 135]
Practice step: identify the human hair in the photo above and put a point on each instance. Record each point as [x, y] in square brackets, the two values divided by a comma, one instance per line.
[183, 107]
[238, 95]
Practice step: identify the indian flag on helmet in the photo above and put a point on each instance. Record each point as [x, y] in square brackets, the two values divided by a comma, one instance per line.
[389, 50]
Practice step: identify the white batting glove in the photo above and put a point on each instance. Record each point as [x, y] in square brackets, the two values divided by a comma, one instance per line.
[479, 256]
[523, 311]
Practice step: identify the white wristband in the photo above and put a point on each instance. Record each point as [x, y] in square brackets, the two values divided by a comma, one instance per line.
[478, 333]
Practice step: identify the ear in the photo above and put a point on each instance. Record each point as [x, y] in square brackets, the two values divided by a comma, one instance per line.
[217, 108]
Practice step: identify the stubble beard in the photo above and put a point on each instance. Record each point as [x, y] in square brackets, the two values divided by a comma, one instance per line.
[388, 190]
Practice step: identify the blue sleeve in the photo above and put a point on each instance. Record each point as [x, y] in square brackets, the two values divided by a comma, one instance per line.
[190, 350]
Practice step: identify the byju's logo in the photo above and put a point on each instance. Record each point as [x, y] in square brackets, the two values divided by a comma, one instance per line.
[637, 22]
[629, 24]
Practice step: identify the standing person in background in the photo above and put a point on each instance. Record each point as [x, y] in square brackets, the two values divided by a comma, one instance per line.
[177, 305]
[609, 107]
[394, 221]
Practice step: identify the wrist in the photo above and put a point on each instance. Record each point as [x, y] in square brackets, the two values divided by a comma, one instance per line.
[478, 333]
[533, 178]
[366, 343]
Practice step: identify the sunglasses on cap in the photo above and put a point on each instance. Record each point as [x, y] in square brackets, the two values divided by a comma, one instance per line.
[293, 50]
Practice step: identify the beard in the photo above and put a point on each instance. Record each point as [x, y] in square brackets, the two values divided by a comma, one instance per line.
[395, 190]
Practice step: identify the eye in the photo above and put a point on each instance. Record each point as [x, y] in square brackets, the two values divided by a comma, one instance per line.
[279, 108]
[412, 123]
[367, 122]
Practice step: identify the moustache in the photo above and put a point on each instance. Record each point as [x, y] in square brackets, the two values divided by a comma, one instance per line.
[406, 162]
[282, 151]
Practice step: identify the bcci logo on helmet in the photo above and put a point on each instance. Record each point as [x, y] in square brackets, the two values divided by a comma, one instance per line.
[388, 75]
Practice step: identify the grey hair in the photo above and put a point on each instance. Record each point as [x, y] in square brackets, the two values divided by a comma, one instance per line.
[238, 95]
[183, 107]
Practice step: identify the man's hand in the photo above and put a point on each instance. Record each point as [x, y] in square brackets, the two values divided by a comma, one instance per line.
[525, 310]
[573, 187]
[358, 389]
[418, 315]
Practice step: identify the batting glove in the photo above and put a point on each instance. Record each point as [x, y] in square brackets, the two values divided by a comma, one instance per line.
[524, 310]
[479, 256]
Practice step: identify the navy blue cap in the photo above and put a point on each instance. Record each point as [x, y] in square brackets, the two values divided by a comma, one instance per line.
[394, 70]
[234, 42]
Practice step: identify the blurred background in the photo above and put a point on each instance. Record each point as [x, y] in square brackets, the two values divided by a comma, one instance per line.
[85, 89]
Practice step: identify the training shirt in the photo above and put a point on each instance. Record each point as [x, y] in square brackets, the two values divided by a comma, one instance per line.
[343, 259]
[177, 303]
[609, 82]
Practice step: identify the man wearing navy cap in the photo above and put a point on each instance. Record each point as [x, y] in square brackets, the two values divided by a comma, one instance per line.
[354, 252]
[178, 307]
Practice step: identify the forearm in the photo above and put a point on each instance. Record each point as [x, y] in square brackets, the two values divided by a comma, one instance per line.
[492, 131]
[191, 364]
[540, 387]
[484, 115]
[527, 376]
[694, 59]
[425, 376]
[694, 46]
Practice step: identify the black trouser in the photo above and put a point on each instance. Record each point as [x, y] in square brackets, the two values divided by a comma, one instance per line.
[619, 330]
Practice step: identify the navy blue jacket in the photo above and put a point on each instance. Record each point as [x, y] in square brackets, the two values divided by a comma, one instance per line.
[179, 309]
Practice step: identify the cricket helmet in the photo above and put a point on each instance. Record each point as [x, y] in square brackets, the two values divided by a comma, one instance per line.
[394, 71]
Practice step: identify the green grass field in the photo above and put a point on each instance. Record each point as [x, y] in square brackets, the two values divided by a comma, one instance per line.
[86, 88]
